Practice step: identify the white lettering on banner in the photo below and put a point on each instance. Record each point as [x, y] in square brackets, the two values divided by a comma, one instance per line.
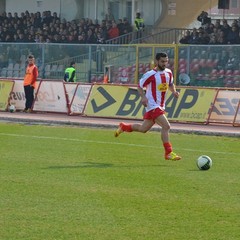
[18, 96]
[51, 97]
[80, 98]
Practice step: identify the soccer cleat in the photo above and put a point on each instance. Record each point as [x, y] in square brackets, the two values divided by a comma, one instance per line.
[172, 156]
[119, 130]
[29, 110]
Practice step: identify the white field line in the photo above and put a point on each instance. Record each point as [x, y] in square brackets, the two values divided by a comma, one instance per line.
[109, 143]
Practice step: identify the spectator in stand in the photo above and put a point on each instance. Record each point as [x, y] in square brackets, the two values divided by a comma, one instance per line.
[103, 30]
[37, 20]
[9, 17]
[91, 39]
[100, 39]
[103, 34]
[222, 38]
[4, 32]
[29, 26]
[109, 15]
[42, 39]
[15, 17]
[27, 15]
[238, 22]
[49, 17]
[62, 39]
[96, 24]
[225, 27]
[52, 31]
[233, 36]
[235, 24]
[213, 40]
[85, 28]
[70, 39]
[203, 38]
[15, 37]
[215, 33]
[127, 26]
[3, 16]
[8, 38]
[113, 32]
[208, 28]
[186, 38]
[81, 39]
[55, 17]
[30, 38]
[203, 18]
[120, 26]
[218, 25]
[194, 37]
[21, 38]
[56, 38]
[90, 23]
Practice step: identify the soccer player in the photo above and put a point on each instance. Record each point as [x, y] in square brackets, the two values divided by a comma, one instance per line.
[156, 82]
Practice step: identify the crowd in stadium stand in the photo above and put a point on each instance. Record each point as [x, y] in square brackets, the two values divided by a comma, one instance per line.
[48, 27]
[220, 32]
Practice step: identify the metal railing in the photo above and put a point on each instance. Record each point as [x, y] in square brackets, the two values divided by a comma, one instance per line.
[201, 65]
[151, 35]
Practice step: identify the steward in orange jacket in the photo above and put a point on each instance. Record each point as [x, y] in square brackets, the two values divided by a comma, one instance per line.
[29, 83]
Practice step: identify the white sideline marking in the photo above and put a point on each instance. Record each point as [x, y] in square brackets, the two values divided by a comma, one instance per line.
[101, 142]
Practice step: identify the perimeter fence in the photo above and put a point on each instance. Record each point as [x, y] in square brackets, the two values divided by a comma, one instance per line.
[192, 65]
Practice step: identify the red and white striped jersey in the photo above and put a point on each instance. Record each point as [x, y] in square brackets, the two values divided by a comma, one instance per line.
[156, 84]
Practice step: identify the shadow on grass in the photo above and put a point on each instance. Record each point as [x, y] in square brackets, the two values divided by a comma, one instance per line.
[102, 165]
[84, 165]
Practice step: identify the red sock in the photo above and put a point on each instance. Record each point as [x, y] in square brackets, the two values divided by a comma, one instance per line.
[126, 127]
[167, 147]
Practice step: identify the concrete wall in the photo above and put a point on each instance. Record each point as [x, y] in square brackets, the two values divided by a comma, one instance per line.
[33, 6]
[2, 5]
[186, 12]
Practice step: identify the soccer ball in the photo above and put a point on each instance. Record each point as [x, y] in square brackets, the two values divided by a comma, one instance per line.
[204, 162]
[12, 108]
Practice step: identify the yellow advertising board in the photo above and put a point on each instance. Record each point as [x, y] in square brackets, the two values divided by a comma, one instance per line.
[193, 104]
[5, 91]
[114, 101]
[124, 102]
[225, 107]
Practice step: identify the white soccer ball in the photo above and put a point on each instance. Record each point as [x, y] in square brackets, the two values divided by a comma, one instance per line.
[204, 162]
[12, 108]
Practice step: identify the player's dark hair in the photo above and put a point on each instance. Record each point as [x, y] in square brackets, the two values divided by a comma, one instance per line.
[161, 55]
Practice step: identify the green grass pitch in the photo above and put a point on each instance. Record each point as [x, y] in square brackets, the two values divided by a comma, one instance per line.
[82, 183]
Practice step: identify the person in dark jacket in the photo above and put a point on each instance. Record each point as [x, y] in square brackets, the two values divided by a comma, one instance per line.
[203, 18]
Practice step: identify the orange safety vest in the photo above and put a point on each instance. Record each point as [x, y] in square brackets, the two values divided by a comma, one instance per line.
[29, 78]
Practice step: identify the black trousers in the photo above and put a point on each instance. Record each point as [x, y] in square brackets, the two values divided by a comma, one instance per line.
[28, 90]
